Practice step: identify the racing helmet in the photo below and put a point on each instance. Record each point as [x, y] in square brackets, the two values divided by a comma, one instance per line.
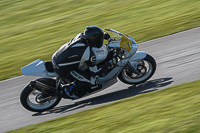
[94, 35]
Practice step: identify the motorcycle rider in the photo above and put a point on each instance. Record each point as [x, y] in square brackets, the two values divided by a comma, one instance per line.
[75, 60]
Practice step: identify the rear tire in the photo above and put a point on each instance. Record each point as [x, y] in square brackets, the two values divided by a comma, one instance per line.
[147, 67]
[33, 104]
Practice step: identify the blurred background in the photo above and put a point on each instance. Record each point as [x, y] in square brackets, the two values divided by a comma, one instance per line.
[31, 30]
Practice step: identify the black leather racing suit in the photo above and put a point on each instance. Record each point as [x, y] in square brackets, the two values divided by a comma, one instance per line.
[76, 60]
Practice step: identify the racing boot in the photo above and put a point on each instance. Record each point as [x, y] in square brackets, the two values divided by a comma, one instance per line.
[69, 91]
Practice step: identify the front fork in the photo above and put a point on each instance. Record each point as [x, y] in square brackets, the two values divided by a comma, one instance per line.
[134, 70]
[133, 62]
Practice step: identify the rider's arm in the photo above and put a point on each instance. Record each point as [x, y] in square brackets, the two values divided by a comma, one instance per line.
[91, 63]
[94, 70]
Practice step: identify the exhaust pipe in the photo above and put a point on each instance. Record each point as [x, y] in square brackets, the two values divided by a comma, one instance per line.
[41, 86]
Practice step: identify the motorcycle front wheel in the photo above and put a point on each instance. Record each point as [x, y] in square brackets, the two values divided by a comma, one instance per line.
[146, 68]
[37, 101]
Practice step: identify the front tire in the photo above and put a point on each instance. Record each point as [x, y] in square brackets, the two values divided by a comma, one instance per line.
[30, 97]
[146, 67]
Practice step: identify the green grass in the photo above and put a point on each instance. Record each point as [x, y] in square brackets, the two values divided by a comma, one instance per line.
[31, 30]
[172, 110]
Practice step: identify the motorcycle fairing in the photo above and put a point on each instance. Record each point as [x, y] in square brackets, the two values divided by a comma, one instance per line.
[126, 42]
[37, 68]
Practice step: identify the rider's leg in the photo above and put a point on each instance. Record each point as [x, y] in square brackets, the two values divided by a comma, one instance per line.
[78, 83]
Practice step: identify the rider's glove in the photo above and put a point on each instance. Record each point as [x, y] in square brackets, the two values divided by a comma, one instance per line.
[114, 61]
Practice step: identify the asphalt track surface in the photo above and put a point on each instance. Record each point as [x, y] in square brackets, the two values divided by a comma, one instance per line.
[178, 61]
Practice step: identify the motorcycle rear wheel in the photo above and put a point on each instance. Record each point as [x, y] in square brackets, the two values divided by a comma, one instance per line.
[31, 99]
[146, 68]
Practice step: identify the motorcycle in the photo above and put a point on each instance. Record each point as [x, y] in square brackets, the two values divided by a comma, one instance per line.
[133, 67]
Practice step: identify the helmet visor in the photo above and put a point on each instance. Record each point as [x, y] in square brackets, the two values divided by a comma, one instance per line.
[99, 40]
